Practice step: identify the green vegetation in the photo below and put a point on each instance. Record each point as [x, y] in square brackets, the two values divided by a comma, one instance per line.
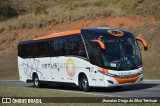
[35, 92]
[6, 91]
[6, 11]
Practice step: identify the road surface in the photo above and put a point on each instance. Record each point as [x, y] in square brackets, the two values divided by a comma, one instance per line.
[148, 88]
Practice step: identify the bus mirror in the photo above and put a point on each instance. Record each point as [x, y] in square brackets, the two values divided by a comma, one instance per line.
[144, 43]
[100, 43]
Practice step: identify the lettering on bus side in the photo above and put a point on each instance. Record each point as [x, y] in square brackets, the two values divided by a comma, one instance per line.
[69, 66]
[54, 65]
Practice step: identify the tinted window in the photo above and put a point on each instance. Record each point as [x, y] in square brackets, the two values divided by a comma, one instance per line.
[94, 52]
[75, 46]
[67, 45]
[60, 46]
[41, 49]
[93, 49]
[54, 45]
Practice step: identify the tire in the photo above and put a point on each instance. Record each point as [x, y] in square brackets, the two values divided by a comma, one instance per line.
[36, 81]
[80, 84]
[84, 85]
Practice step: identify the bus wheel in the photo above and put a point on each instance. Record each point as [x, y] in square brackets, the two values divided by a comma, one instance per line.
[36, 81]
[84, 83]
[80, 84]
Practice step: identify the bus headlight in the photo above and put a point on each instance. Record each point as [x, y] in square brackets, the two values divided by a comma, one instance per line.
[140, 72]
[108, 74]
[111, 75]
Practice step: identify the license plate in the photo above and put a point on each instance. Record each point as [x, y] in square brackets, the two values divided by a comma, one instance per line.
[127, 83]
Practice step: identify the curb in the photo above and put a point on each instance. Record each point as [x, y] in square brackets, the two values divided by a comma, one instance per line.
[150, 80]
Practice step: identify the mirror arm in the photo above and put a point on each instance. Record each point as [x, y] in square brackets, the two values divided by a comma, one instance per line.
[100, 43]
[144, 43]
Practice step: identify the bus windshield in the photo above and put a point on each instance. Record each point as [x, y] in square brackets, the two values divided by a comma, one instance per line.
[121, 54]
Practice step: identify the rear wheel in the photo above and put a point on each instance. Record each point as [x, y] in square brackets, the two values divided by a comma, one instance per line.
[36, 81]
[84, 83]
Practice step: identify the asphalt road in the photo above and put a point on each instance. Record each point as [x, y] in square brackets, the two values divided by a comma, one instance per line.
[147, 89]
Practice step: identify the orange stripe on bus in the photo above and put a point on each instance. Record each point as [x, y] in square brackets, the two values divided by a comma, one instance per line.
[59, 34]
[126, 80]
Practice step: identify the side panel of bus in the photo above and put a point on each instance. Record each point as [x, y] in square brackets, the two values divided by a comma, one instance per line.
[22, 74]
[56, 69]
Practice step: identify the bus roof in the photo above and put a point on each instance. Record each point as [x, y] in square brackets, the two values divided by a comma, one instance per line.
[96, 30]
[110, 32]
[59, 34]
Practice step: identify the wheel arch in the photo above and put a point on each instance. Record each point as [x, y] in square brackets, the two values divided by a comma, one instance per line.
[34, 74]
[80, 76]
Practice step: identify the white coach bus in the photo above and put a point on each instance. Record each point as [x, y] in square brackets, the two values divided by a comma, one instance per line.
[93, 57]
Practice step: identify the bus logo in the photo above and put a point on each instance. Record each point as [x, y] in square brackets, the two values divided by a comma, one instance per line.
[70, 67]
[116, 33]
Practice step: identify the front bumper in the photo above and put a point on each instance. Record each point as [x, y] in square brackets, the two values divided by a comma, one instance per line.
[113, 81]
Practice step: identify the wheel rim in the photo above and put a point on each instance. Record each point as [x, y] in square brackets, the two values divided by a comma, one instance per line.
[36, 81]
[84, 83]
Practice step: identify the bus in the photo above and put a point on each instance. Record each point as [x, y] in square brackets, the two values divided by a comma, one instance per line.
[90, 57]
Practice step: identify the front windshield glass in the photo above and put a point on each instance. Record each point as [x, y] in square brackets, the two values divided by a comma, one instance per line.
[121, 53]
[132, 52]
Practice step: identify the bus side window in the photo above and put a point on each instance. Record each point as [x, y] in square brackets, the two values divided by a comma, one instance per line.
[62, 45]
[54, 44]
[81, 49]
[69, 46]
[74, 46]
[31, 50]
[25, 51]
[48, 50]
[40, 49]
[94, 52]
[20, 51]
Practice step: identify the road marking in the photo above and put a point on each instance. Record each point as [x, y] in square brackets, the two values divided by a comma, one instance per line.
[153, 89]
[93, 93]
[151, 80]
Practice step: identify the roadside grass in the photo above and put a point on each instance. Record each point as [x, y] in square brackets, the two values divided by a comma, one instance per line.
[6, 91]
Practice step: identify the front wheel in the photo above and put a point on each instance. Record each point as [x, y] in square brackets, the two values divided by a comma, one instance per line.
[84, 83]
